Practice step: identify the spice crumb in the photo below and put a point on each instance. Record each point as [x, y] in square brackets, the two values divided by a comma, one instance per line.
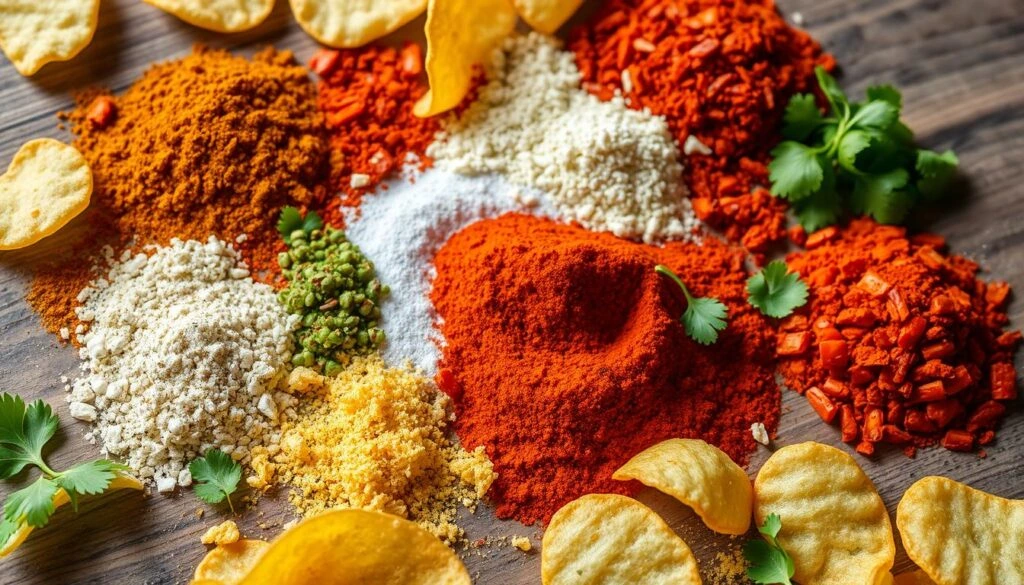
[359, 180]
[729, 568]
[522, 543]
[760, 433]
[224, 533]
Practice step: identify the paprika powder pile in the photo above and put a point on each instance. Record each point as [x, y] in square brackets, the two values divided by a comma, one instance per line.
[565, 356]
[719, 71]
[899, 343]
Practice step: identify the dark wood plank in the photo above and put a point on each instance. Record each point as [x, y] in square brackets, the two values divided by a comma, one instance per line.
[960, 66]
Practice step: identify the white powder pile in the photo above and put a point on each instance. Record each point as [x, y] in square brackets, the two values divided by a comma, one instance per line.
[402, 228]
[183, 352]
[604, 165]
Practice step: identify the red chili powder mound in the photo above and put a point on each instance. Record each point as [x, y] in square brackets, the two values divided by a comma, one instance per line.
[565, 356]
[720, 70]
[899, 343]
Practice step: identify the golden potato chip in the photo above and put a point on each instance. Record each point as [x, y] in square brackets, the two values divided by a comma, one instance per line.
[918, 577]
[962, 536]
[546, 15]
[36, 32]
[606, 539]
[59, 499]
[228, 564]
[834, 523]
[218, 15]
[47, 184]
[699, 475]
[349, 547]
[460, 34]
[353, 23]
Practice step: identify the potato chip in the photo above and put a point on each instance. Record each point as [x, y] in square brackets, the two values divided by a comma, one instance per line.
[546, 15]
[36, 32]
[834, 523]
[353, 23]
[218, 15]
[699, 475]
[349, 547]
[918, 577]
[460, 34]
[962, 536]
[47, 184]
[228, 564]
[606, 539]
[60, 498]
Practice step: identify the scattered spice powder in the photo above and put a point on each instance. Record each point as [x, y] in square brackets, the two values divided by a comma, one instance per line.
[899, 343]
[720, 70]
[565, 355]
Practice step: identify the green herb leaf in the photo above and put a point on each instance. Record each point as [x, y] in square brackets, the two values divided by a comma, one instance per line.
[7, 530]
[24, 431]
[289, 221]
[775, 291]
[850, 146]
[704, 317]
[769, 563]
[312, 222]
[876, 195]
[216, 476]
[885, 93]
[794, 171]
[89, 478]
[802, 117]
[830, 88]
[876, 114]
[33, 505]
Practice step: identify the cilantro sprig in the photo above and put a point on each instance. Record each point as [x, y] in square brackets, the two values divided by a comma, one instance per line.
[291, 221]
[775, 291]
[216, 476]
[858, 158]
[704, 316]
[769, 562]
[25, 431]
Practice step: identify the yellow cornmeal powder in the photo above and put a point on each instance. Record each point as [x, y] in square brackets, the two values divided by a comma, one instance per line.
[375, 438]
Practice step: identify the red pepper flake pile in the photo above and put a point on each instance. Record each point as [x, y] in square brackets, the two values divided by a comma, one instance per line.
[367, 96]
[720, 70]
[901, 344]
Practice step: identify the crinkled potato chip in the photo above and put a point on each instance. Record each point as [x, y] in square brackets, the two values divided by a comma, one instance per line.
[228, 564]
[546, 15]
[47, 184]
[59, 499]
[699, 475]
[36, 32]
[834, 523]
[460, 34]
[218, 15]
[607, 539]
[918, 577]
[353, 23]
[962, 536]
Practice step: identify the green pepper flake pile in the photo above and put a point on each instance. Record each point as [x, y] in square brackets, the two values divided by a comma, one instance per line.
[334, 288]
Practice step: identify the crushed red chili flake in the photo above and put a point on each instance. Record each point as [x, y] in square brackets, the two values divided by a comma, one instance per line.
[899, 343]
[720, 70]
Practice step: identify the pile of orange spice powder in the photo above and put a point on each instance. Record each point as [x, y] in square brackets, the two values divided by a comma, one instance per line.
[720, 72]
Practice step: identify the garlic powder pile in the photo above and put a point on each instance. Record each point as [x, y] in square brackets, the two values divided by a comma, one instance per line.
[183, 352]
[602, 164]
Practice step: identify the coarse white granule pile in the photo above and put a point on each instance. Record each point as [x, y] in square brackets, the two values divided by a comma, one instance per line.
[183, 352]
[403, 226]
[604, 165]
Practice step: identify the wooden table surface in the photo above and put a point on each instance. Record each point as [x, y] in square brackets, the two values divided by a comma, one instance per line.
[960, 66]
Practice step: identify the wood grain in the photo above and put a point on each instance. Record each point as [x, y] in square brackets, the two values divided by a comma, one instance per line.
[960, 66]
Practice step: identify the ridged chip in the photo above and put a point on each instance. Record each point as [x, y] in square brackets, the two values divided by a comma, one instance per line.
[353, 23]
[47, 184]
[228, 564]
[606, 539]
[699, 475]
[962, 536]
[218, 15]
[546, 15]
[36, 32]
[834, 523]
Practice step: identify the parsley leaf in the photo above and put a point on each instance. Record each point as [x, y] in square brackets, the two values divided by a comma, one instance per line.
[704, 316]
[291, 221]
[775, 291]
[794, 171]
[24, 431]
[33, 504]
[216, 476]
[802, 117]
[769, 563]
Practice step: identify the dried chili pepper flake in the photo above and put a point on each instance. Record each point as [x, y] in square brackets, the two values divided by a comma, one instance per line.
[895, 435]
[996, 294]
[955, 440]
[874, 418]
[938, 350]
[834, 354]
[324, 61]
[930, 257]
[859, 317]
[865, 448]
[873, 284]
[793, 343]
[943, 412]
[835, 388]
[821, 404]
[848, 424]
[916, 421]
[985, 416]
[896, 306]
[821, 237]
[1003, 378]
[911, 333]
[102, 111]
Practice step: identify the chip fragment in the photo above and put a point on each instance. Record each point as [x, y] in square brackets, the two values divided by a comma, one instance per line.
[218, 15]
[47, 184]
[36, 32]
[834, 523]
[228, 564]
[546, 15]
[353, 23]
[606, 539]
[699, 475]
[460, 35]
[962, 536]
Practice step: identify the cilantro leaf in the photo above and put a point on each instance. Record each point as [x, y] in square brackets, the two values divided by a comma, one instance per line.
[885, 93]
[771, 527]
[769, 562]
[89, 478]
[216, 476]
[802, 117]
[289, 221]
[704, 316]
[312, 222]
[795, 171]
[876, 114]
[24, 431]
[34, 503]
[775, 291]
[7, 530]
[830, 88]
[936, 170]
[878, 196]
[850, 146]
